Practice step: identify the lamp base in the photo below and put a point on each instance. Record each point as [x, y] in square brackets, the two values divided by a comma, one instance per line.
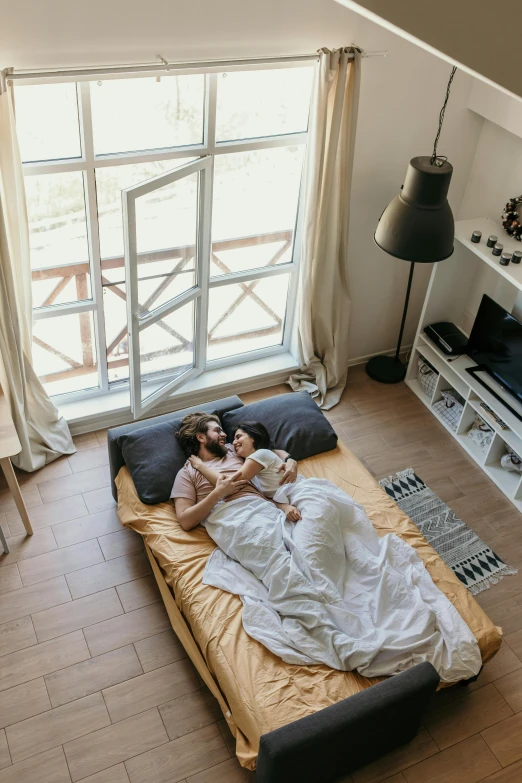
[386, 369]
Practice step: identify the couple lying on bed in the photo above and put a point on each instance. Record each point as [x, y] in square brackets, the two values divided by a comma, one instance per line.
[317, 583]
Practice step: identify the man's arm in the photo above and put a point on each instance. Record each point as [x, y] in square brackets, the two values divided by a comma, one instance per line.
[289, 467]
[190, 514]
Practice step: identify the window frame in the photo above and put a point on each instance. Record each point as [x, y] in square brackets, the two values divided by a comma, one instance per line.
[89, 162]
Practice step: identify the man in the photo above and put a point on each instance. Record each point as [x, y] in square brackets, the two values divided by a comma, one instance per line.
[194, 496]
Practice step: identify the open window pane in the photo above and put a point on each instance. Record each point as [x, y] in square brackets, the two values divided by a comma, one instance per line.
[64, 353]
[246, 316]
[167, 346]
[146, 114]
[166, 232]
[256, 195]
[251, 104]
[110, 181]
[57, 224]
[47, 122]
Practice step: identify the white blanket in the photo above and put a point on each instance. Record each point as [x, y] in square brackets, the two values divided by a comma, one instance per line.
[329, 590]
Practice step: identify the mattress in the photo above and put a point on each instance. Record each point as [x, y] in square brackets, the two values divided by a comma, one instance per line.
[262, 691]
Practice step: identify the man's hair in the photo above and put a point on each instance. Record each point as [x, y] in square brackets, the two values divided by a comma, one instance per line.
[258, 432]
[192, 425]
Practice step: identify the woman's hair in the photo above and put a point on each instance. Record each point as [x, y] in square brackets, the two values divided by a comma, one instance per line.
[193, 424]
[258, 432]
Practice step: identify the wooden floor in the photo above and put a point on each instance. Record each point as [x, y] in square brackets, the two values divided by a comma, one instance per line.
[95, 687]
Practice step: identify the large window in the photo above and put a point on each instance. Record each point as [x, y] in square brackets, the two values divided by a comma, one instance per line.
[210, 165]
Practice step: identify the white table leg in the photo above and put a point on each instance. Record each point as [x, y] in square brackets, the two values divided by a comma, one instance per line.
[12, 481]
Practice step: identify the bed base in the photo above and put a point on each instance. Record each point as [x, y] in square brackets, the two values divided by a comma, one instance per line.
[334, 741]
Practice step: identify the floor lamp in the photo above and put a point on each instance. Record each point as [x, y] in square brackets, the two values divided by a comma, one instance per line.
[418, 227]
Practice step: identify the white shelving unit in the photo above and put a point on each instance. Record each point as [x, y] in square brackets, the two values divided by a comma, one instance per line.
[454, 294]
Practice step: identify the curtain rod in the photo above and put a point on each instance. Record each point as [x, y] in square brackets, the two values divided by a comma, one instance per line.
[165, 66]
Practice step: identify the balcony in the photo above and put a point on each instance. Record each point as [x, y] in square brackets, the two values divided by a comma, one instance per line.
[65, 357]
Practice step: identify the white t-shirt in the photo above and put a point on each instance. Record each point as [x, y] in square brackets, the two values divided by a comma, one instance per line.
[267, 481]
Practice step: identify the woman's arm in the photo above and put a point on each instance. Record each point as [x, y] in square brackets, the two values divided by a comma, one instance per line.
[190, 514]
[289, 467]
[210, 475]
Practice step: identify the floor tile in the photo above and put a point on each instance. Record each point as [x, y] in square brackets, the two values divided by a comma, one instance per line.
[179, 758]
[190, 712]
[139, 592]
[76, 483]
[76, 614]
[34, 598]
[150, 690]
[510, 687]
[87, 440]
[102, 436]
[229, 771]
[515, 642]
[30, 495]
[16, 634]
[467, 715]
[41, 659]
[60, 467]
[50, 767]
[467, 762]
[419, 748]
[122, 542]
[99, 500]
[128, 628]
[93, 675]
[230, 740]
[49, 514]
[22, 547]
[57, 726]
[511, 774]
[5, 757]
[88, 459]
[110, 746]
[77, 530]
[9, 579]
[117, 774]
[107, 574]
[505, 739]
[61, 561]
[159, 650]
[23, 701]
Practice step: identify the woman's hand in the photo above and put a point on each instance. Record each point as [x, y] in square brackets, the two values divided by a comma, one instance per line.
[196, 462]
[290, 471]
[292, 513]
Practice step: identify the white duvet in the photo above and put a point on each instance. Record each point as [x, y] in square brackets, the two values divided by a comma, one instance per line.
[329, 590]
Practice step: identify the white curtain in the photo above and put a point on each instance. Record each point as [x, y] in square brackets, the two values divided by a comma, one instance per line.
[43, 433]
[324, 299]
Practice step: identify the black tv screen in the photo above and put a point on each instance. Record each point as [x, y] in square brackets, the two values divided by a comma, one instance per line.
[496, 343]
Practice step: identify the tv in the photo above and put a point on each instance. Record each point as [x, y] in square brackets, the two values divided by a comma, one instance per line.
[495, 344]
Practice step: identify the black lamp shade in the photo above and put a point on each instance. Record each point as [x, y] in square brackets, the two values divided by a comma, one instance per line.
[418, 224]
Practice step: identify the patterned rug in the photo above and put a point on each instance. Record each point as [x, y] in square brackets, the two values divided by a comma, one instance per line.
[473, 561]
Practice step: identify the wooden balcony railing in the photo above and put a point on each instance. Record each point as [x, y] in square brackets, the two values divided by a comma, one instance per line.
[117, 350]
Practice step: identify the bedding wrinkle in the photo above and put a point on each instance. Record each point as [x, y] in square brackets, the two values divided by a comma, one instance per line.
[241, 665]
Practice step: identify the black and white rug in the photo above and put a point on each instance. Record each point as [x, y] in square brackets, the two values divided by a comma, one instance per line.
[473, 561]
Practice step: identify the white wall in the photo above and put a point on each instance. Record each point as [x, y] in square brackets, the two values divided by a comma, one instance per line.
[400, 101]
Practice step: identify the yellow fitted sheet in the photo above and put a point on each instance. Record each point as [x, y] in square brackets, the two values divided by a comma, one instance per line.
[262, 691]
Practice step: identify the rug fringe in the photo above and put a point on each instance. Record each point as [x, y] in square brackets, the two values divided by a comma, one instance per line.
[494, 579]
[388, 481]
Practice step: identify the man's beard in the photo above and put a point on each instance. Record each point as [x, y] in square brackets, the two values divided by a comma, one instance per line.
[216, 448]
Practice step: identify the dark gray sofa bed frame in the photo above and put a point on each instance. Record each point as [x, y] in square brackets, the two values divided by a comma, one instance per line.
[337, 740]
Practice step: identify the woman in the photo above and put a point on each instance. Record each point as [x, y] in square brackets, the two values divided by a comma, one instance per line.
[261, 464]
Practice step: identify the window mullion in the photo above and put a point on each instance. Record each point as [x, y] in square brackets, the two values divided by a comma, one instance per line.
[92, 230]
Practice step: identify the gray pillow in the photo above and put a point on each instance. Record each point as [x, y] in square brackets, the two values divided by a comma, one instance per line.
[294, 423]
[153, 457]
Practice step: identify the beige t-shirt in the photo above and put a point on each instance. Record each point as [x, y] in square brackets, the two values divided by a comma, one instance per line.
[190, 483]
